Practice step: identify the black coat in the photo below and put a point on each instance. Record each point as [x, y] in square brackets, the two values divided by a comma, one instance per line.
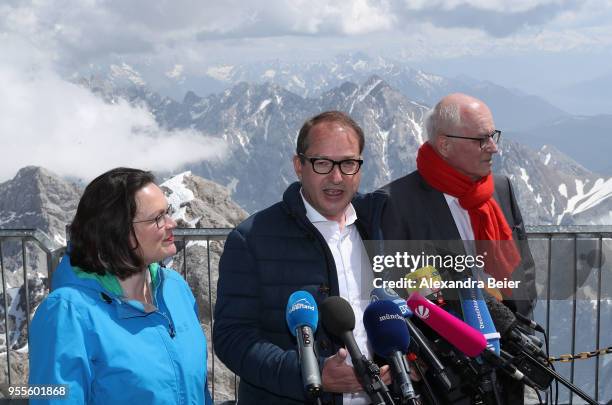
[416, 211]
[269, 256]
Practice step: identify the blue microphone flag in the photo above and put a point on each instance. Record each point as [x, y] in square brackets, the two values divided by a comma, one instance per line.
[302, 311]
[477, 315]
[389, 294]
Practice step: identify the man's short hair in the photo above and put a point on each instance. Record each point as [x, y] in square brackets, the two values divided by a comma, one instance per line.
[442, 118]
[327, 116]
[102, 234]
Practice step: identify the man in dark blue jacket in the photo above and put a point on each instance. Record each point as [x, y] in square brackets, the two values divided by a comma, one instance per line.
[311, 240]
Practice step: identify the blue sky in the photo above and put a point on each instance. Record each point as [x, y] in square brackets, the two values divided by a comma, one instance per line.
[539, 47]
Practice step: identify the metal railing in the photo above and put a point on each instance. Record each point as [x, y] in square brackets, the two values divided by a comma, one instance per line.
[575, 293]
[22, 237]
[576, 254]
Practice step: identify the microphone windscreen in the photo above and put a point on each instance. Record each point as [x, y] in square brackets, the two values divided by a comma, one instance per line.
[503, 318]
[301, 311]
[386, 328]
[425, 280]
[337, 315]
[461, 335]
[390, 295]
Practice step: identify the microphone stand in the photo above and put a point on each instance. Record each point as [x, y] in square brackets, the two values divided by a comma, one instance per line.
[561, 379]
[432, 396]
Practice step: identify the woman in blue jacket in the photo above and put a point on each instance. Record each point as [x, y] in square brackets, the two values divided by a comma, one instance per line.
[118, 328]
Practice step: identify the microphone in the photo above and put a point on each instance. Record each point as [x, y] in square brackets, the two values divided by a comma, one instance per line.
[389, 294]
[532, 359]
[530, 323]
[302, 318]
[389, 337]
[528, 349]
[476, 314]
[465, 338]
[462, 336]
[425, 280]
[339, 319]
[422, 343]
[507, 323]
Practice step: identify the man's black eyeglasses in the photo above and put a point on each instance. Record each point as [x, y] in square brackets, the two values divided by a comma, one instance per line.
[495, 135]
[325, 166]
[159, 220]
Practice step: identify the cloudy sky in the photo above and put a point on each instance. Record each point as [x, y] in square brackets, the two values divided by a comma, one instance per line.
[538, 46]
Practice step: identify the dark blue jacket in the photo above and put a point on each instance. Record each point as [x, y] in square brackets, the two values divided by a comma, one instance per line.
[266, 258]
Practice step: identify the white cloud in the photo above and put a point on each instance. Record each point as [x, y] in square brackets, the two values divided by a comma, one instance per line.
[50, 122]
[494, 5]
[191, 32]
[176, 71]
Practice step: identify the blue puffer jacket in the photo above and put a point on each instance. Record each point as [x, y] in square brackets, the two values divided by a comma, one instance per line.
[266, 258]
[108, 350]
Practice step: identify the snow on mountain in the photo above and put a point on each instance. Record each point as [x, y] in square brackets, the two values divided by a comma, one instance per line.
[128, 73]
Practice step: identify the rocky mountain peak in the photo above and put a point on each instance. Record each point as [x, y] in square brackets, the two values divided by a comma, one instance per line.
[38, 198]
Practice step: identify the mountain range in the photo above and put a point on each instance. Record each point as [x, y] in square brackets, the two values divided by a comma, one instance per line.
[259, 123]
[515, 111]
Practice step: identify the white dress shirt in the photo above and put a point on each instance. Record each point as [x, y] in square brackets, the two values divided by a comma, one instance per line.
[354, 275]
[464, 225]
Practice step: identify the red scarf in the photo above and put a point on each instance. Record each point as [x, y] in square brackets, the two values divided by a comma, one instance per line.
[487, 219]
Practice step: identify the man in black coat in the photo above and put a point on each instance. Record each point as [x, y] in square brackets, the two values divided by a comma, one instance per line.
[454, 196]
[312, 241]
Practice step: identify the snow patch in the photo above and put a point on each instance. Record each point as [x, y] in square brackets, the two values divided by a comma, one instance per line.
[202, 243]
[180, 193]
[269, 74]
[231, 186]
[579, 187]
[299, 82]
[563, 190]
[59, 239]
[8, 217]
[599, 192]
[552, 204]
[547, 159]
[369, 89]
[360, 65]
[195, 115]
[525, 178]
[263, 105]
[125, 71]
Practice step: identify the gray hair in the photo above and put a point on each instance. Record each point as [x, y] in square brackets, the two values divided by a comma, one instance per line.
[442, 118]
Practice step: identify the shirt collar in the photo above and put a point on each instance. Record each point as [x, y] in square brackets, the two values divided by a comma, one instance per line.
[314, 216]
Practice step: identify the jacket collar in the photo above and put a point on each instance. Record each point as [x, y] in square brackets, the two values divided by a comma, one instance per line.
[106, 287]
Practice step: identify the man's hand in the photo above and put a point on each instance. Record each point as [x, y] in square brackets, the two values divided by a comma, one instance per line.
[338, 376]
[385, 374]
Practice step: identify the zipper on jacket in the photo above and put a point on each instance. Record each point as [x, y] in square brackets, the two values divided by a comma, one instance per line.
[171, 330]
